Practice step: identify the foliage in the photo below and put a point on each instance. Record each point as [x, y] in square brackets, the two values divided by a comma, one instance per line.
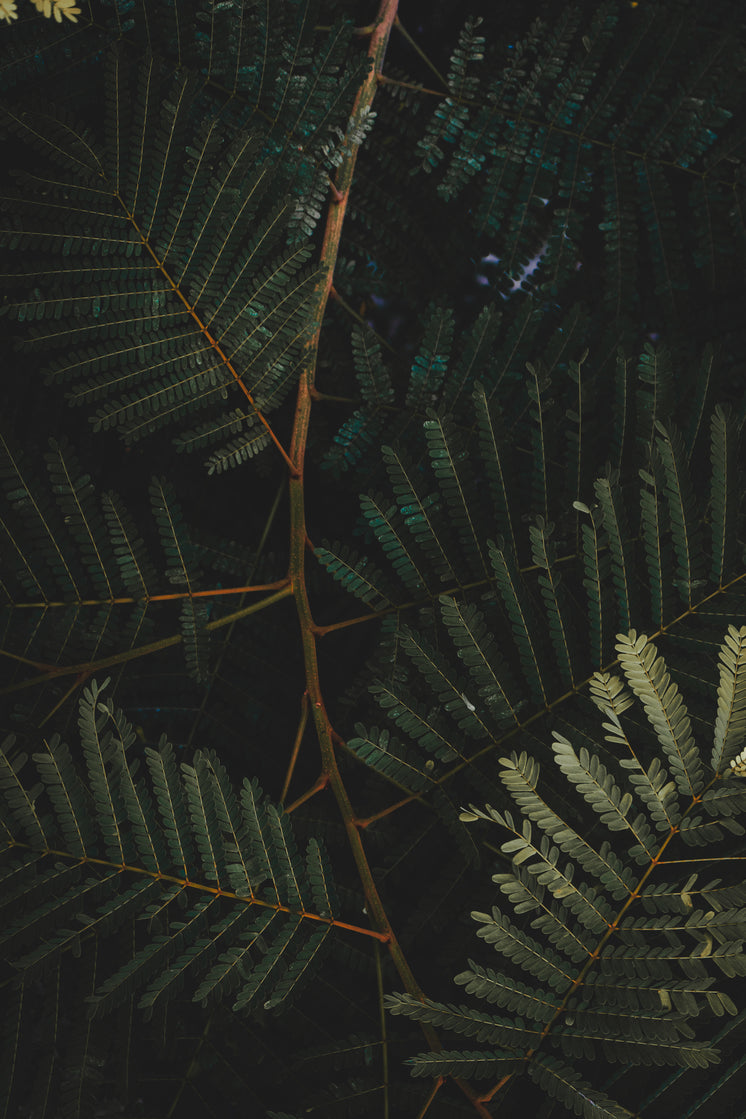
[619, 977]
[48, 8]
[405, 436]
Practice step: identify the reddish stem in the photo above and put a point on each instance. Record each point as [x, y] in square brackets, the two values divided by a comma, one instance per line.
[296, 747]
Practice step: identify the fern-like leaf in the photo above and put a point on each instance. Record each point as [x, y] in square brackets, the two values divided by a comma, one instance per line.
[597, 570]
[169, 793]
[478, 650]
[449, 466]
[103, 754]
[387, 756]
[723, 493]
[491, 440]
[563, 1083]
[419, 513]
[651, 683]
[269, 946]
[617, 531]
[555, 601]
[522, 621]
[68, 796]
[356, 574]
[730, 723]
[480, 1065]
[682, 506]
[385, 521]
[617, 979]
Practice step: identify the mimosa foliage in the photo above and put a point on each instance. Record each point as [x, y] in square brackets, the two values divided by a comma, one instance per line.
[624, 959]
[449, 308]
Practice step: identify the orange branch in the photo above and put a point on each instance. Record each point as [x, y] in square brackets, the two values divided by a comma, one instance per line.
[320, 783]
[52, 671]
[298, 535]
[296, 748]
[299, 538]
[216, 891]
[437, 1085]
[368, 820]
[176, 596]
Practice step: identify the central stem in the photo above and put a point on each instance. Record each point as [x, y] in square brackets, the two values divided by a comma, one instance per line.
[298, 536]
[379, 36]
